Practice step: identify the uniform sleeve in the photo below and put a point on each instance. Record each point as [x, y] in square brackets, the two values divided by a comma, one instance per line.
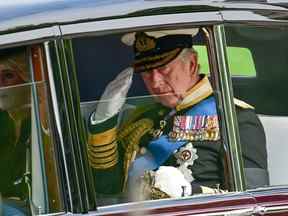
[103, 156]
[253, 144]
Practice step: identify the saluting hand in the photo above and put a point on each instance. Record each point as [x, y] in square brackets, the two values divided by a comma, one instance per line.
[113, 97]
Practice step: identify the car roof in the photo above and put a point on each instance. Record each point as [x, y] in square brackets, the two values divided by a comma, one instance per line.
[18, 14]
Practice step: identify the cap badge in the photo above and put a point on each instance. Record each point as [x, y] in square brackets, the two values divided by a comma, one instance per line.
[144, 42]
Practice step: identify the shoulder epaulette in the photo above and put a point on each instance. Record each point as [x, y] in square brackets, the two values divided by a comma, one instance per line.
[242, 104]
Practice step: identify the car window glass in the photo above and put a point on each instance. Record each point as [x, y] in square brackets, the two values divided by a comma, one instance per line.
[23, 184]
[266, 92]
[15, 90]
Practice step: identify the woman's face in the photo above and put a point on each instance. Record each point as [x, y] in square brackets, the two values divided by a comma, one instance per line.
[9, 76]
[13, 95]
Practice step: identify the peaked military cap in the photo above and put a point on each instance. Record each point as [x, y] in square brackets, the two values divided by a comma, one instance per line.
[156, 49]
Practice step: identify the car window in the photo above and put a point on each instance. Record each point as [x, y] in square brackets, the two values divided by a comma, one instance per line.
[266, 93]
[24, 186]
[125, 114]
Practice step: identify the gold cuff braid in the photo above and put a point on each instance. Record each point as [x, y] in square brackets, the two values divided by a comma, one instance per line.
[102, 154]
[102, 148]
[103, 138]
[102, 160]
[103, 163]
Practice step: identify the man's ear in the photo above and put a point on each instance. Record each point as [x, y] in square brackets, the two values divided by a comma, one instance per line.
[193, 63]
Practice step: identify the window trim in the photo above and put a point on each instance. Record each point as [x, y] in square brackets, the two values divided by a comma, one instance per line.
[29, 37]
[226, 96]
[138, 23]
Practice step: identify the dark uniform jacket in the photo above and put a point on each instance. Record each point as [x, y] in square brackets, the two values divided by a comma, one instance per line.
[186, 137]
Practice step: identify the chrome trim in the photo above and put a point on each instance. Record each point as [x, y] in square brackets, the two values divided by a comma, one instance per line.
[201, 199]
[27, 16]
[65, 82]
[276, 209]
[238, 212]
[29, 37]
[39, 140]
[55, 214]
[83, 165]
[57, 119]
[226, 92]
[256, 17]
[137, 23]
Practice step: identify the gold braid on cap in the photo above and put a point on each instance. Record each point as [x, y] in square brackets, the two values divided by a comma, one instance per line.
[151, 62]
[130, 137]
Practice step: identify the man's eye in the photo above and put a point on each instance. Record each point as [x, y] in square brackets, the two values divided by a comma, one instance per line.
[164, 70]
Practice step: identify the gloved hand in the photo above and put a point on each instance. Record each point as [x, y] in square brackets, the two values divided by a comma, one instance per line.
[113, 97]
[171, 181]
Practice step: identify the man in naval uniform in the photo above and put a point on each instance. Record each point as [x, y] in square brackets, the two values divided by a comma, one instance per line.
[177, 139]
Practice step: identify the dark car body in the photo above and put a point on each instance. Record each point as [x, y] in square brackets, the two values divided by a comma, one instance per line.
[69, 32]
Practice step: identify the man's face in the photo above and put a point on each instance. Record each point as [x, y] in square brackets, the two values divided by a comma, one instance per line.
[170, 82]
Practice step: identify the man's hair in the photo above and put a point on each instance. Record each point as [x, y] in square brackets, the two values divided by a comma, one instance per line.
[186, 52]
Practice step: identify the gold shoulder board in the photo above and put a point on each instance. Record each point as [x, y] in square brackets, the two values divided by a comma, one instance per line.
[242, 104]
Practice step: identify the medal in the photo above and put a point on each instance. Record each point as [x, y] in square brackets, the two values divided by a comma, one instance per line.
[186, 156]
[195, 128]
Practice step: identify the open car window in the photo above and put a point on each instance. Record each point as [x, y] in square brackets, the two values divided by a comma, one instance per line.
[120, 143]
[141, 132]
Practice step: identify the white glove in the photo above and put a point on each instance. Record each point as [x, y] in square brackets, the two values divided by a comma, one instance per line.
[171, 181]
[113, 97]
